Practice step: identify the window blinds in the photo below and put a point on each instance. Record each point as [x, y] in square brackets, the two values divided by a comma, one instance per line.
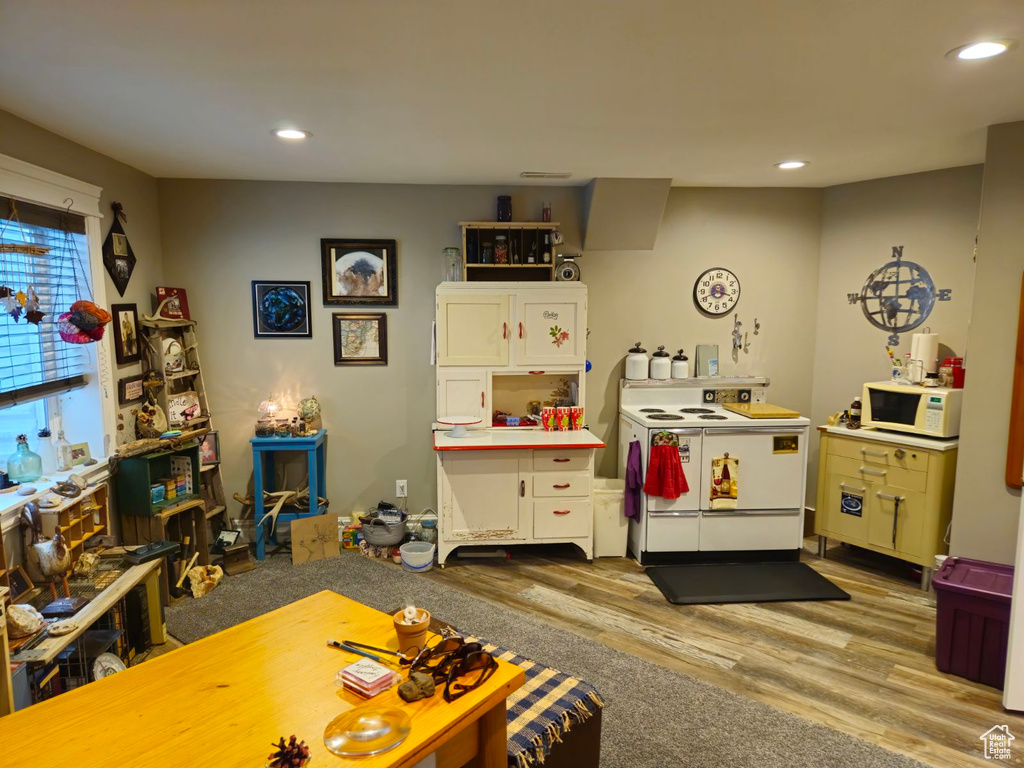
[34, 360]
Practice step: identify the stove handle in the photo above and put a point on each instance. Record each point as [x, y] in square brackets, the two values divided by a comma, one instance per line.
[749, 513]
[692, 513]
[752, 431]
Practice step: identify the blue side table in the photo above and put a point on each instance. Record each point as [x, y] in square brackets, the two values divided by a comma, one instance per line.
[263, 450]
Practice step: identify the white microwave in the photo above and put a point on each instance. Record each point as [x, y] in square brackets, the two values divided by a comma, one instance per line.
[928, 411]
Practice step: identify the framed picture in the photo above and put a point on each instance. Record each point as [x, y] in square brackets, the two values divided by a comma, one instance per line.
[280, 309]
[21, 584]
[177, 306]
[79, 454]
[118, 257]
[360, 338]
[359, 272]
[127, 346]
[182, 408]
[209, 449]
[130, 390]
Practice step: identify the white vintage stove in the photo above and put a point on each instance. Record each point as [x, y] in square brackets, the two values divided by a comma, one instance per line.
[768, 520]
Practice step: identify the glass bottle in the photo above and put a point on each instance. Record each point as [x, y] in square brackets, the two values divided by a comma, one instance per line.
[452, 264]
[44, 446]
[63, 450]
[24, 466]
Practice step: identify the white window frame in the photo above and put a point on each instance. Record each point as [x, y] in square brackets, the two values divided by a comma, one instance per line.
[33, 184]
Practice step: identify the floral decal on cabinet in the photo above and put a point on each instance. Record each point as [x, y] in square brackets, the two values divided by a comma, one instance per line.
[558, 336]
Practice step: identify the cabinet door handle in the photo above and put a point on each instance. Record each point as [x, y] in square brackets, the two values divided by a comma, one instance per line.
[877, 472]
[520, 330]
[845, 487]
[522, 488]
[562, 511]
[561, 460]
[890, 497]
[481, 399]
[561, 486]
[536, 373]
[504, 330]
[879, 454]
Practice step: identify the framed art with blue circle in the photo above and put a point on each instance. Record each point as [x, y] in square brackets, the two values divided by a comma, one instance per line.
[280, 309]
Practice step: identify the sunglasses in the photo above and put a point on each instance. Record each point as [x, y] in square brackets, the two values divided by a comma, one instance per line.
[438, 659]
[476, 666]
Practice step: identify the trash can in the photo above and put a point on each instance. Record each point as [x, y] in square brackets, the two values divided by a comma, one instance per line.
[973, 619]
[611, 526]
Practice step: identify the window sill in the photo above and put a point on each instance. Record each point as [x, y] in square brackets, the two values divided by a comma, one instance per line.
[11, 503]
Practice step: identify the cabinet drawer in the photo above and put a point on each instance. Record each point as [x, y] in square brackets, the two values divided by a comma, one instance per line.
[550, 484]
[561, 460]
[562, 519]
[874, 474]
[879, 454]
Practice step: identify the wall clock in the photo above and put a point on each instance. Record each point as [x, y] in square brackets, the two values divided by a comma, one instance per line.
[716, 292]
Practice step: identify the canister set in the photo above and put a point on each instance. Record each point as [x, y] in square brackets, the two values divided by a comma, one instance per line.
[562, 419]
[659, 366]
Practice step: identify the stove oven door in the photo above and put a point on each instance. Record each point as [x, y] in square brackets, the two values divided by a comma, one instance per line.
[771, 465]
[673, 525]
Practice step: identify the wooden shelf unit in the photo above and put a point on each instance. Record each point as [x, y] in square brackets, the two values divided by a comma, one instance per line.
[80, 519]
[522, 237]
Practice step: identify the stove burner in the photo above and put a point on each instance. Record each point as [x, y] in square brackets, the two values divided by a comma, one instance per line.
[714, 417]
[666, 417]
[652, 410]
[695, 410]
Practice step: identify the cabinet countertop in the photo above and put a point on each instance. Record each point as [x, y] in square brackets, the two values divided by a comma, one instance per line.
[867, 433]
[509, 438]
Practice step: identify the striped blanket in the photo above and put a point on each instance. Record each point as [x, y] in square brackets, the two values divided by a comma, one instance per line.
[546, 707]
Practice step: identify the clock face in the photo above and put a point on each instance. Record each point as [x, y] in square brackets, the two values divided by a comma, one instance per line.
[716, 291]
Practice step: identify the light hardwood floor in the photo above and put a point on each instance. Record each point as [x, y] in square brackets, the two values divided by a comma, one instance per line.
[864, 666]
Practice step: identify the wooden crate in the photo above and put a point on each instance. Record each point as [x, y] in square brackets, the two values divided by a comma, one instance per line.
[79, 519]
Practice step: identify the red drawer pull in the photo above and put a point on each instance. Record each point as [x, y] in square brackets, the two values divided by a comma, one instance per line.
[520, 330]
[504, 330]
[561, 460]
[563, 486]
[536, 373]
[481, 399]
[562, 511]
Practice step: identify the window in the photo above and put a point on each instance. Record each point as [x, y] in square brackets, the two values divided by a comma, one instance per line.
[34, 360]
[22, 419]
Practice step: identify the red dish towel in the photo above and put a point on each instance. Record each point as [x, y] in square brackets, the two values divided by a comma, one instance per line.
[665, 476]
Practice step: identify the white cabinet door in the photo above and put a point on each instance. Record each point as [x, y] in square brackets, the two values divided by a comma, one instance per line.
[473, 329]
[463, 392]
[481, 496]
[550, 329]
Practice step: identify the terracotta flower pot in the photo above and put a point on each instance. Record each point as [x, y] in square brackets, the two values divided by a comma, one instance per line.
[411, 637]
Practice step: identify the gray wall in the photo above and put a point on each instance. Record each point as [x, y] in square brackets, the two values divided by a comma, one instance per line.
[986, 511]
[934, 216]
[132, 188]
[220, 235]
[768, 237]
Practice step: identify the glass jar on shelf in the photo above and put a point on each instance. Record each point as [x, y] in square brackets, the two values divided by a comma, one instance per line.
[486, 253]
[501, 249]
[452, 264]
[428, 530]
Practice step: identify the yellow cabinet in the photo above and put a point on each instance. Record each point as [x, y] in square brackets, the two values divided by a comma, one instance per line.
[887, 493]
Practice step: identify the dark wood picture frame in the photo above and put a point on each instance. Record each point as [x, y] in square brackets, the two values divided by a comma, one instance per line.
[123, 397]
[118, 256]
[213, 435]
[334, 249]
[121, 352]
[260, 328]
[382, 337]
[20, 583]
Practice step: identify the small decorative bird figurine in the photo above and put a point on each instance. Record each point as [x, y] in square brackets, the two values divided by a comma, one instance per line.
[50, 558]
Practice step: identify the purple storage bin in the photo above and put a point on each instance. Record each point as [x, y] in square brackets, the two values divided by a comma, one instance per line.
[973, 619]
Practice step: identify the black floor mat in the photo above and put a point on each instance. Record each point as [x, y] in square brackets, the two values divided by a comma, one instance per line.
[742, 583]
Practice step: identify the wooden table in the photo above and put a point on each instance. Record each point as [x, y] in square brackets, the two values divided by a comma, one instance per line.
[222, 701]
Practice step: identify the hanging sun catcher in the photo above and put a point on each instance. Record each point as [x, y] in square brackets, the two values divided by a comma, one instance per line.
[16, 301]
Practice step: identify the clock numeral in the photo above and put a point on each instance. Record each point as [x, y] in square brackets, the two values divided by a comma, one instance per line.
[734, 291]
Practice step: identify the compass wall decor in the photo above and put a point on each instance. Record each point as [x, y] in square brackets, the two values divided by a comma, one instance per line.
[898, 296]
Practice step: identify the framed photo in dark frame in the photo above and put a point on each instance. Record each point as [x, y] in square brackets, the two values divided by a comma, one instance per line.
[127, 344]
[359, 272]
[209, 449]
[280, 309]
[130, 390]
[360, 338]
[118, 256]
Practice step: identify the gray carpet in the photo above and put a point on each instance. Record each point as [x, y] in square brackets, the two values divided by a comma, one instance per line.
[654, 718]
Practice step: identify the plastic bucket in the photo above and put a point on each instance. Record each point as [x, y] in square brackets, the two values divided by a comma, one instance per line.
[417, 556]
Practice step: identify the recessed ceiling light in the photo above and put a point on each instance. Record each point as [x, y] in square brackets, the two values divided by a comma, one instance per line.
[292, 134]
[986, 49]
[791, 165]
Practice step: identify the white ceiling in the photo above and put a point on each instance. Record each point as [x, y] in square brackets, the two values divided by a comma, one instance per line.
[708, 92]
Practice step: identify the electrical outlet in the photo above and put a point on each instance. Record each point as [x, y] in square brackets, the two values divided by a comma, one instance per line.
[402, 489]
